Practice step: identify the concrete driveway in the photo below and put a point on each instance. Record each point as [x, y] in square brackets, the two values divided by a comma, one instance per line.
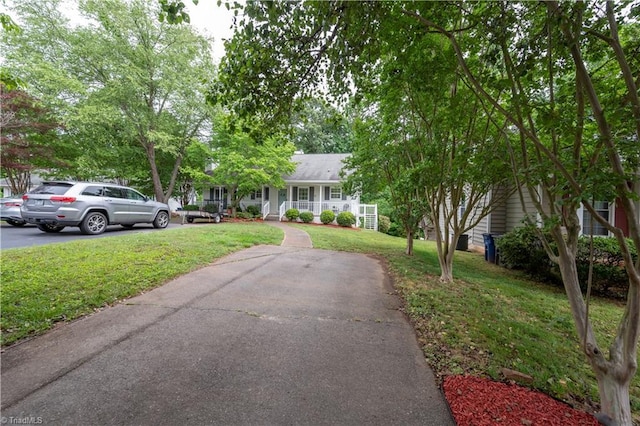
[267, 336]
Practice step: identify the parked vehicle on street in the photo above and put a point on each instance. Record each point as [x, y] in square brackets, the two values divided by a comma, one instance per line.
[10, 211]
[91, 206]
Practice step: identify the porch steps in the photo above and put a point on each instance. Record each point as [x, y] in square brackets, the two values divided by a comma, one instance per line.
[273, 217]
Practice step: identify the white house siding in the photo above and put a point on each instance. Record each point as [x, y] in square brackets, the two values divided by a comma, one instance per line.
[515, 214]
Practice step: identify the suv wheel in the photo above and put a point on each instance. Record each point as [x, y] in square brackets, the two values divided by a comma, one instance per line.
[94, 223]
[161, 220]
[50, 228]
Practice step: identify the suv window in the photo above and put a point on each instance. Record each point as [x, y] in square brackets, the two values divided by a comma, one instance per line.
[94, 191]
[110, 191]
[52, 188]
[133, 195]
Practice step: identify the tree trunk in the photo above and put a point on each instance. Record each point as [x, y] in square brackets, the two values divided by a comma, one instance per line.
[446, 259]
[614, 395]
[446, 267]
[614, 374]
[155, 176]
[410, 236]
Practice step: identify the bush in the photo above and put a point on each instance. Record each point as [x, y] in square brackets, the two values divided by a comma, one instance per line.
[191, 208]
[306, 217]
[210, 208]
[254, 210]
[327, 217]
[521, 249]
[244, 215]
[292, 214]
[384, 223]
[609, 276]
[346, 219]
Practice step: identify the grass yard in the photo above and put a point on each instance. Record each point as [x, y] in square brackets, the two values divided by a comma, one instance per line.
[491, 318]
[60, 282]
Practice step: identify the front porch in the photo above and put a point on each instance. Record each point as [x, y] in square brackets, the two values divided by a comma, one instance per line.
[366, 214]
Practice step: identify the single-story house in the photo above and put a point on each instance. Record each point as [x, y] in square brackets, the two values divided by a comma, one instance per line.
[315, 186]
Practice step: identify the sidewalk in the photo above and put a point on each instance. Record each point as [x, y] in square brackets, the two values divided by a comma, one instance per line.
[293, 237]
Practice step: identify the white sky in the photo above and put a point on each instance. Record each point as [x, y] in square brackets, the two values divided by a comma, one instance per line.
[211, 20]
[206, 17]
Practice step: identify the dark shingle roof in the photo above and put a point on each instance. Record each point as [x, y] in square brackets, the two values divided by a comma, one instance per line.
[317, 167]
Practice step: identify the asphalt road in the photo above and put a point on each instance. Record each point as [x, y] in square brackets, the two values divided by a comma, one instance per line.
[30, 235]
[266, 336]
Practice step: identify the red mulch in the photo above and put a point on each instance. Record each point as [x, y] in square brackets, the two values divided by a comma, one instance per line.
[475, 401]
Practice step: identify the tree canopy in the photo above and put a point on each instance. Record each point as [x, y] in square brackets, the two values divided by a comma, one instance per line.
[129, 88]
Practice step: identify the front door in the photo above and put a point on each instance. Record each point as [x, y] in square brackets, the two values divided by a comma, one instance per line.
[282, 196]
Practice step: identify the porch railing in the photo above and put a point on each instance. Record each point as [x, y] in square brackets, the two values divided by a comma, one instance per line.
[265, 209]
[317, 207]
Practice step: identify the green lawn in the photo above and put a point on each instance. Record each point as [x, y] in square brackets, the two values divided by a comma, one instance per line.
[489, 319]
[60, 282]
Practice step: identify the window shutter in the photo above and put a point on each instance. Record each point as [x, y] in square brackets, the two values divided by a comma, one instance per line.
[327, 193]
[266, 193]
[311, 193]
[295, 193]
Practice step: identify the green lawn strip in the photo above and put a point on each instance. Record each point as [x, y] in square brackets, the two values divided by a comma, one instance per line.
[60, 282]
[491, 318]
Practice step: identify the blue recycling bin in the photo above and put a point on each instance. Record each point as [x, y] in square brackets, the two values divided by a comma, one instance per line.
[489, 248]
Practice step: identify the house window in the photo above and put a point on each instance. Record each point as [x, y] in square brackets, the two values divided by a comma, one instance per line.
[256, 195]
[336, 193]
[602, 207]
[303, 194]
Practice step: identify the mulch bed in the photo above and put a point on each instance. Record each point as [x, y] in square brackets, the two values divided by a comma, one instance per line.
[476, 401]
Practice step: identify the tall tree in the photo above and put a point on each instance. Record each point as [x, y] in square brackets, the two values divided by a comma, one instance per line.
[245, 159]
[121, 77]
[320, 128]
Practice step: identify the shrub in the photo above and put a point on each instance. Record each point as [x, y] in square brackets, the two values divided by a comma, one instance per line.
[244, 215]
[327, 217]
[609, 276]
[346, 219]
[254, 210]
[306, 217]
[384, 223]
[191, 208]
[210, 208]
[292, 214]
[521, 249]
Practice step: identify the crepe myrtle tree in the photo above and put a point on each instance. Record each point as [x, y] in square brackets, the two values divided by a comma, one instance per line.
[563, 81]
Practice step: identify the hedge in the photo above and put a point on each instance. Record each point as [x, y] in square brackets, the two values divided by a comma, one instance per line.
[521, 249]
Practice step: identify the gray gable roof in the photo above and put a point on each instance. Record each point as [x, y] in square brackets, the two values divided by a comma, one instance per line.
[317, 167]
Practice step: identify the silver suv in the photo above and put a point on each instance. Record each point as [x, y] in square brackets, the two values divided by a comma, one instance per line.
[91, 206]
